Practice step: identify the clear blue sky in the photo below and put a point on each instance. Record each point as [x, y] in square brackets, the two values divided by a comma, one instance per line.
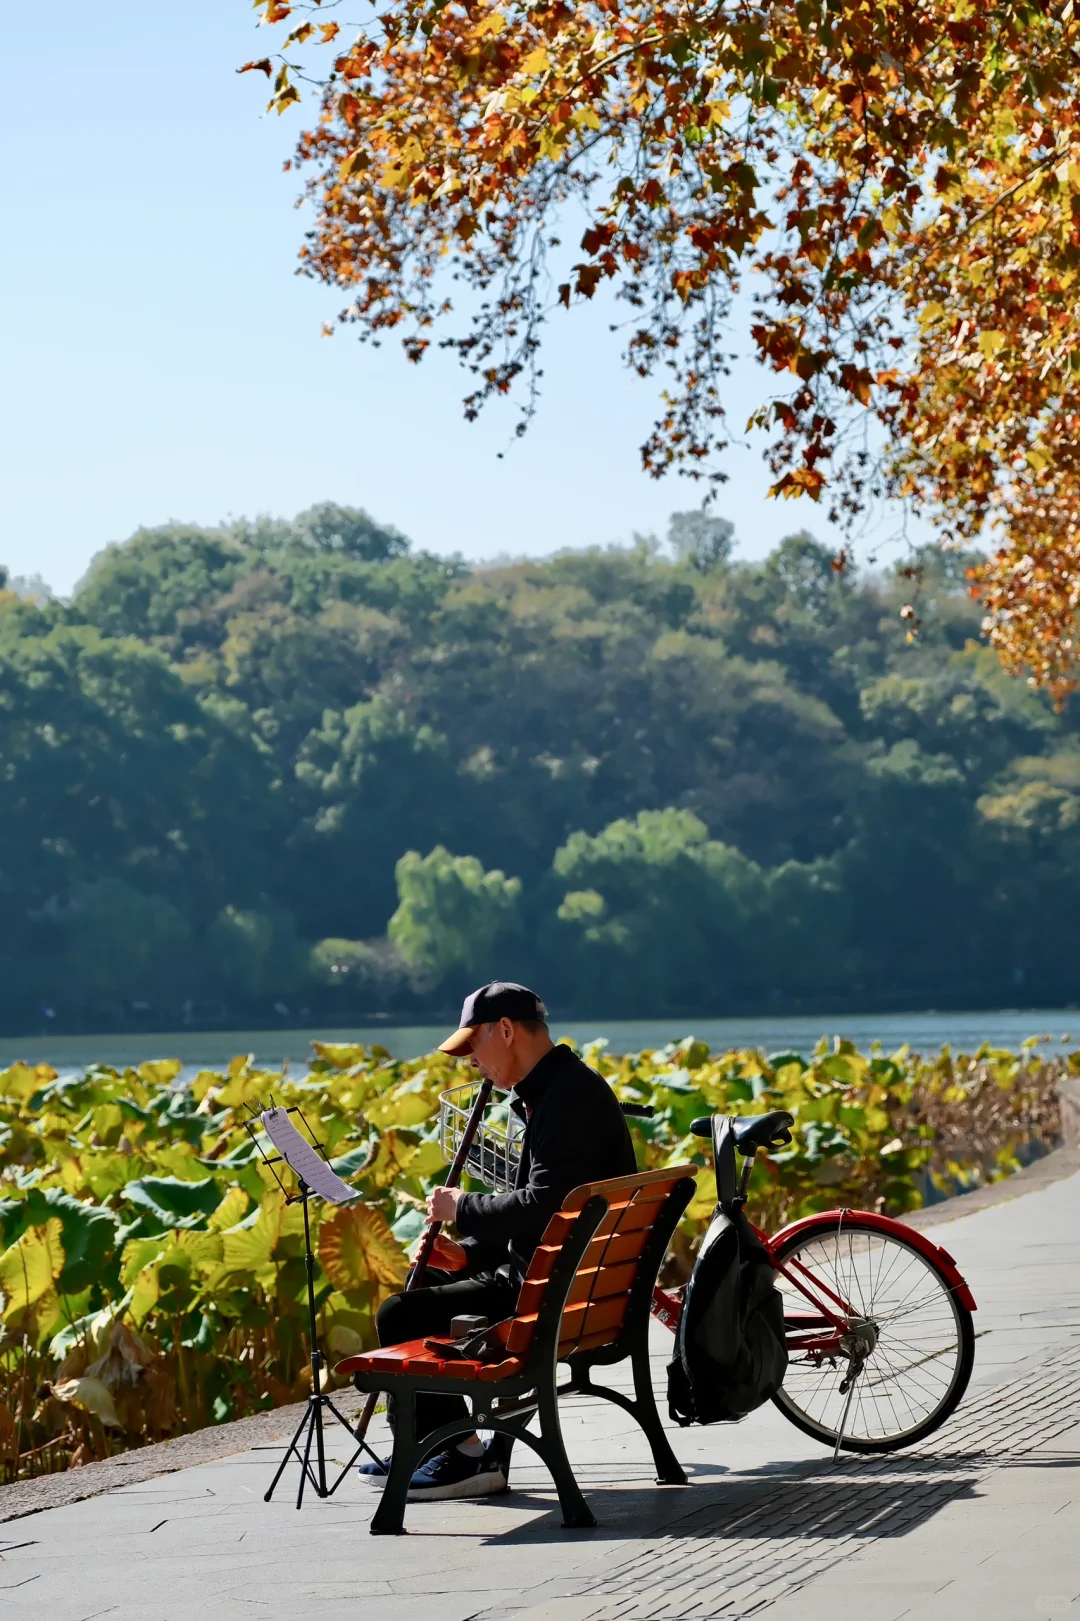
[160, 358]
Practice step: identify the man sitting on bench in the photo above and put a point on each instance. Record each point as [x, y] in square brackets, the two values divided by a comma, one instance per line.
[575, 1132]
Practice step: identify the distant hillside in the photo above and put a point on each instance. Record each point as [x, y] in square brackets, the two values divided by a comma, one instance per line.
[301, 765]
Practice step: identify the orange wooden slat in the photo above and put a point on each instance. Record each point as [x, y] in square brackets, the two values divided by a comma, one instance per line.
[621, 1247]
[610, 1190]
[413, 1357]
[620, 1218]
[588, 1319]
[519, 1333]
[589, 1282]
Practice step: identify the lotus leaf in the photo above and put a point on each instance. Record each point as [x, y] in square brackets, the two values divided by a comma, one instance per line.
[231, 1210]
[393, 1156]
[173, 1201]
[22, 1080]
[356, 1244]
[30, 1267]
[357, 1160]
[88, 1235]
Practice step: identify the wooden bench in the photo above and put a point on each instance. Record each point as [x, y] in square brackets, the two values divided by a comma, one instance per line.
[584, 1301]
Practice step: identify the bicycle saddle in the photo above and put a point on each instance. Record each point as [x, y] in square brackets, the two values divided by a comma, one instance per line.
[752, 1132]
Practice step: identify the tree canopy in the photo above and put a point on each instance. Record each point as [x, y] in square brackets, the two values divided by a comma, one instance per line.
[246, 776]
[880, 198]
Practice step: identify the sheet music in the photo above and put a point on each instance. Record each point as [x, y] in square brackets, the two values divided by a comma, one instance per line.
[306, 1161]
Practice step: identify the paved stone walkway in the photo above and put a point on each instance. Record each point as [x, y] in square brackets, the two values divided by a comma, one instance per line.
[982, 1520]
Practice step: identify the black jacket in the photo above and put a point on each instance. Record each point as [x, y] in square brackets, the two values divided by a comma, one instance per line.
[575, 1132]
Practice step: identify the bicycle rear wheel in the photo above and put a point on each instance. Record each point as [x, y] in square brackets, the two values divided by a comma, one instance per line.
[921, 1338]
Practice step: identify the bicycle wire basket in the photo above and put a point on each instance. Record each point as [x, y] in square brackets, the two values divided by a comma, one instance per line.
[496, 1149]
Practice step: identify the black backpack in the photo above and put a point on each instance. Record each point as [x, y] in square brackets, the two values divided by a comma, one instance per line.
[730, 1349]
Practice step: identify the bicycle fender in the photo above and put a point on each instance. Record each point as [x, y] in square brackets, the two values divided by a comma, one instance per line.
[826, 1221]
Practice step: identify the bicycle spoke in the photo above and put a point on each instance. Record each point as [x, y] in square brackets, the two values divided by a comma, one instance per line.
[910, 1369]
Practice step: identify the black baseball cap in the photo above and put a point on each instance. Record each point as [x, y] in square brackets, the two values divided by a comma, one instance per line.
[499, 1000]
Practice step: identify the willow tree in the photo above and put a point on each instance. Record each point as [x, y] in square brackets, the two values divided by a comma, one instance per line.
[891, 186]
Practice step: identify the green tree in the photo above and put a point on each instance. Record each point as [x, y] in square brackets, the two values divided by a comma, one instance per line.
[365, 973]
[656, 913]
[146, 586]
[847, 813]
[123, 947]
[700, 539]
[254, 955]
[452, 916]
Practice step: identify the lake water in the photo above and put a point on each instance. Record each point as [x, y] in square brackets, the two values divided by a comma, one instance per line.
[926, 1032]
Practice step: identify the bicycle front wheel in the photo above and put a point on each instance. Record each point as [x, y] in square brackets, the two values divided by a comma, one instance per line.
[915, 1342]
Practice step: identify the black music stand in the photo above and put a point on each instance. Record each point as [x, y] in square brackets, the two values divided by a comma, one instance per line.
[307, 1159]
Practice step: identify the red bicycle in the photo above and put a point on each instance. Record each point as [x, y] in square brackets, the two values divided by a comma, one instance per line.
[878, 1320]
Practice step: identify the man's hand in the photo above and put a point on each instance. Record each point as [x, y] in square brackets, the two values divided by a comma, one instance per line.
[442, 1203]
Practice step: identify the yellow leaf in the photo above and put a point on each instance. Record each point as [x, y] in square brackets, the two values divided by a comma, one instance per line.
[137, 1256]
[393, 1155]
[356, 1245]
[249, 1249]
[204, 1249]
[427, 1160]
[405, 1106]
[550, 145]
[991, 342]
[160, 1071]
[930, 313]
[536, 61]
[21, 1080]
[144, 1293]
[354, 163]
[233, 1208]
[31, 1266]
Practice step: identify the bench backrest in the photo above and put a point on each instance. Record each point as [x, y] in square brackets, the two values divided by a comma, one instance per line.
[600, 1292]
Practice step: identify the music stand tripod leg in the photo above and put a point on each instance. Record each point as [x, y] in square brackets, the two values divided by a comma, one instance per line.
[290, 1449]
[312, 1419]
[305, 1473]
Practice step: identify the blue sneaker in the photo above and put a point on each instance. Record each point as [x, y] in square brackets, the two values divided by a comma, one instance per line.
[454, 1474]
[374, 1471]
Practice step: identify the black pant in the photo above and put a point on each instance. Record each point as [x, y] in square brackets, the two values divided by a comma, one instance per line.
[429, 1311]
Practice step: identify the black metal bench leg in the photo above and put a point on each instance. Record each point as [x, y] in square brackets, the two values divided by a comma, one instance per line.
[389, 1517]
[575, 1510]
[501, 1447]
[669, 1471]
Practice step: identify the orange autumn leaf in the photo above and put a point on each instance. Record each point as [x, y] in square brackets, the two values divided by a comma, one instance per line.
[896, 186]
